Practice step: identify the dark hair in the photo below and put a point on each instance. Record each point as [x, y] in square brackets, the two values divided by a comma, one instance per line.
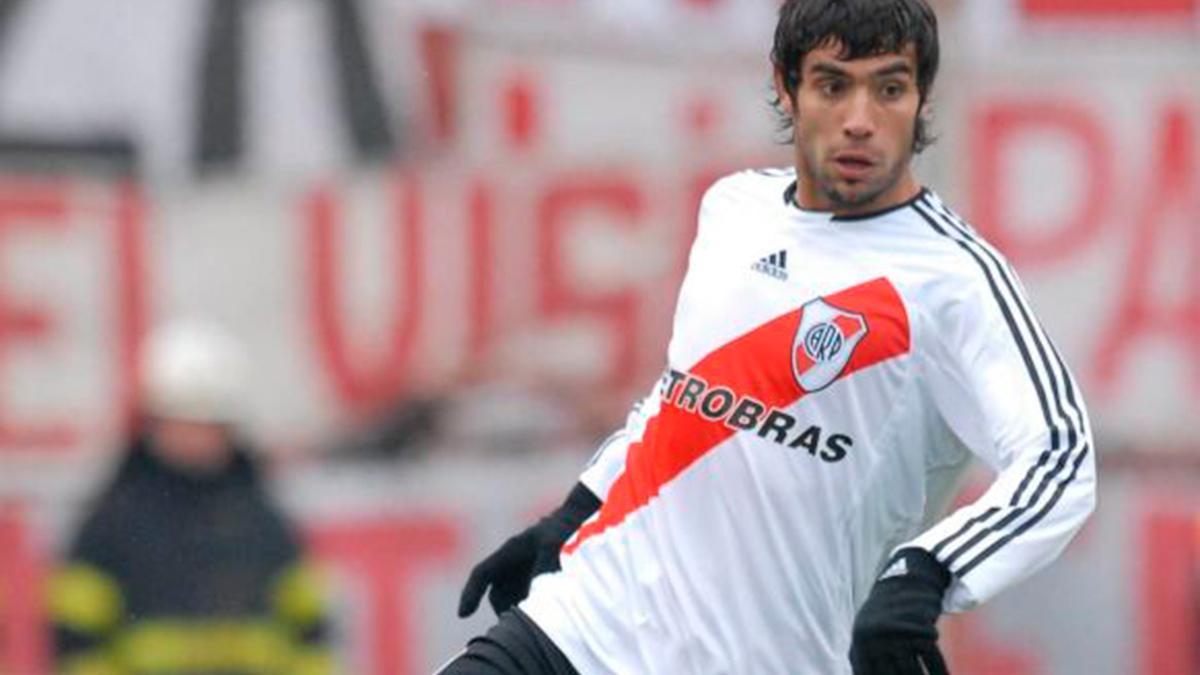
[863, 28]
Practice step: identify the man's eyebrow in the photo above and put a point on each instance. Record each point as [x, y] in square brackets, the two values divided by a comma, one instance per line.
[823, 68]
[896, 68]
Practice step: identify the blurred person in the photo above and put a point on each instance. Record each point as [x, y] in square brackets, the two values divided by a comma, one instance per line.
[843, 344]
[184, 565]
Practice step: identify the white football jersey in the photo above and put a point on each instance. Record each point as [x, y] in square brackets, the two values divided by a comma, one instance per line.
[827, 379]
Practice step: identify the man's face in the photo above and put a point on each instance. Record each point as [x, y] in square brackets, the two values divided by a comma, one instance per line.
[854, 126]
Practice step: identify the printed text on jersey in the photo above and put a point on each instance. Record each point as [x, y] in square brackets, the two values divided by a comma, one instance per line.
[760, 366]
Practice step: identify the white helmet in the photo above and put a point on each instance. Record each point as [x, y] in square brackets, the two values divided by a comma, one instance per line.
[192, 370]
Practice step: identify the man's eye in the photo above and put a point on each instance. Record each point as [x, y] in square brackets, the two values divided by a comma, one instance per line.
[832, 87]
[892, 90]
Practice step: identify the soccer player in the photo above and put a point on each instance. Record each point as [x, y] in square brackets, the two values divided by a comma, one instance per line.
[842, 344]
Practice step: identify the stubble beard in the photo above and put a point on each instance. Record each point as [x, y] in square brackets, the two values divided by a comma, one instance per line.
[869, 190]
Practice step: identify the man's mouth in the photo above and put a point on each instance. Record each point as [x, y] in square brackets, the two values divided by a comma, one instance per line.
[853, 165]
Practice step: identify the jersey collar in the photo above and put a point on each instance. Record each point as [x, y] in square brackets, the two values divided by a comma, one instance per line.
[789, 198]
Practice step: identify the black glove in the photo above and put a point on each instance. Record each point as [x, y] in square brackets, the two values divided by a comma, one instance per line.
[510, 569]
[895, 632]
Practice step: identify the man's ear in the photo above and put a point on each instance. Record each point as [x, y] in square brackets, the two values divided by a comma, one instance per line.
[921, 126]
[786, 102]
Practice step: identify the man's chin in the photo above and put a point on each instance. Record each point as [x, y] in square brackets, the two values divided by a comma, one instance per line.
[847, 195]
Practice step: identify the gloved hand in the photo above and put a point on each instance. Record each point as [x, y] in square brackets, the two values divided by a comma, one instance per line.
[895, 632]
[510, 568]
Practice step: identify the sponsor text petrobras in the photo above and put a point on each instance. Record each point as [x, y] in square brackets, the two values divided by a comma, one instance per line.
[721, 404]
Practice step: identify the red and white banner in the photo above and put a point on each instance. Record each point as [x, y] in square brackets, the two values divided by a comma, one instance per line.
[552, 247]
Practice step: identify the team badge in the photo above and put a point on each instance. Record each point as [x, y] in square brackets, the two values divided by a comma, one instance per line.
[824, 343]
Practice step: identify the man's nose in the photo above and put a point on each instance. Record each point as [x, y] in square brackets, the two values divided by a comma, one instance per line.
[860, 120]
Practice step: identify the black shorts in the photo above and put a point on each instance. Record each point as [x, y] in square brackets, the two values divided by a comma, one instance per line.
[514, 646]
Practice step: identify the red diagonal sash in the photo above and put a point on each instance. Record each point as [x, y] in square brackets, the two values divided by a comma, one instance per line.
[756, 364]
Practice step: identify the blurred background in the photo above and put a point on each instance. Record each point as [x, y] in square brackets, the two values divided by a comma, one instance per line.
[446, 235]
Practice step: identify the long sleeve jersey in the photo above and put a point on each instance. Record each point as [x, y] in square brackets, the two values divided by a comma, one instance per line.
[828, 377]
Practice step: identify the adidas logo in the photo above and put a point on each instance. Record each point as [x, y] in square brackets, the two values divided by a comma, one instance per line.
[774, 265]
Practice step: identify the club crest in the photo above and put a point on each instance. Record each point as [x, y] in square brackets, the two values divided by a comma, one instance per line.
[824, 343]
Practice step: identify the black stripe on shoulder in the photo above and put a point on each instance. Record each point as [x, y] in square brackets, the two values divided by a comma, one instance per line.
[1045, 344]
[1075, 436]
[1008, 318]
[1045, 347]
[943, 222]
